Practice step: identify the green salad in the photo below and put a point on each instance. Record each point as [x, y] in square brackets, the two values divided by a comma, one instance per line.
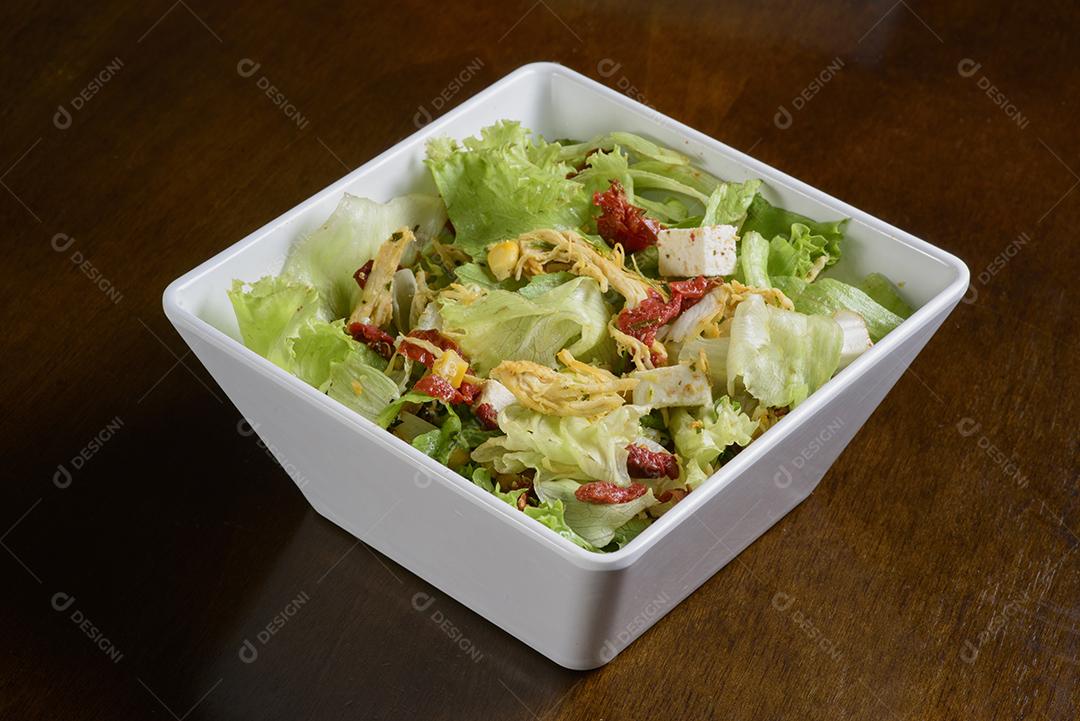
[587, 330]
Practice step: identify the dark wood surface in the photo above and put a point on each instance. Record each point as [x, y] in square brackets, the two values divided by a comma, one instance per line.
[947, 529]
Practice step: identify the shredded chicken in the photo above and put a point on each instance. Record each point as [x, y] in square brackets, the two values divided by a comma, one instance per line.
[539, 249]
[712, 316]
[640, 354]
[376, 305]
[580, 390]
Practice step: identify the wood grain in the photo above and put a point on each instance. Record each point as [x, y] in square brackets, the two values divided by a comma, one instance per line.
[932, 575]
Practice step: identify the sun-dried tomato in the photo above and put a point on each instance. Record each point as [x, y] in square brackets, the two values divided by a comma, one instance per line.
[362, 273]
[690, 291]
[422, 355]
[485, 413]
[468, 392]
[643, 320]
[604, 493]
[621, 222]
[436, 387]
[643, 463]
[378, 340]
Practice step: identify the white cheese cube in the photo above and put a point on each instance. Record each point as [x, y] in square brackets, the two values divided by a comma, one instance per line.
[689, 252]
[496, 395]
[677, 385]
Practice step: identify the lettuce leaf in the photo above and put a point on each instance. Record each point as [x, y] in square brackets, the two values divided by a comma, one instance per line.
[595, 522]
[440, 443]
[701, 435]
[502, 184]
[686, 175]
[629, 531]
[800, 253]
[781, 356]
[563, 446]
[716, 353]
[478, 275]
[729, 202]
[271, 311]
[360, 386]
[771, 221]
[553, 515]
[550, 513]
[754, 260]
[350, 237]
[825, 296]
[885, 294]
[504, 325]
[319, 345]
[602, 169]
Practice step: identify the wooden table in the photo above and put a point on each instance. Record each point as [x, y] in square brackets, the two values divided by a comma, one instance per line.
[147, 535]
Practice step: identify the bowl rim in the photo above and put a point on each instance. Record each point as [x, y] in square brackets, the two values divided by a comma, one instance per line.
[715, 484]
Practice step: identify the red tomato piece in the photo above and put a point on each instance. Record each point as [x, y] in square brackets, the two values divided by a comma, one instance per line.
[485, 413]
[468, 391]
[378, 340]
[643, 463]
[423, 355]
[436, 387]
[362, 273]
[690, 291]
[621, 222]
[603, 492]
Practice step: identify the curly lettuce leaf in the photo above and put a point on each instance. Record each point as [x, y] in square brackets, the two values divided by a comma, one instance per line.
[702, 434]
[503, 325]
[781, 356]
[271, 311]
[802, 254]
[551, 513]
[441, 442]
[502, 184]
[563, 446]
[350, 237]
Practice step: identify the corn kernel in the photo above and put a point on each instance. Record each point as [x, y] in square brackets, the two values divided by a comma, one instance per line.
[502, 258]
[450, 366]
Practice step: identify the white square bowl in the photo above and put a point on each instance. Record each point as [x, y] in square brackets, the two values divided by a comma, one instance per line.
[578, 608]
